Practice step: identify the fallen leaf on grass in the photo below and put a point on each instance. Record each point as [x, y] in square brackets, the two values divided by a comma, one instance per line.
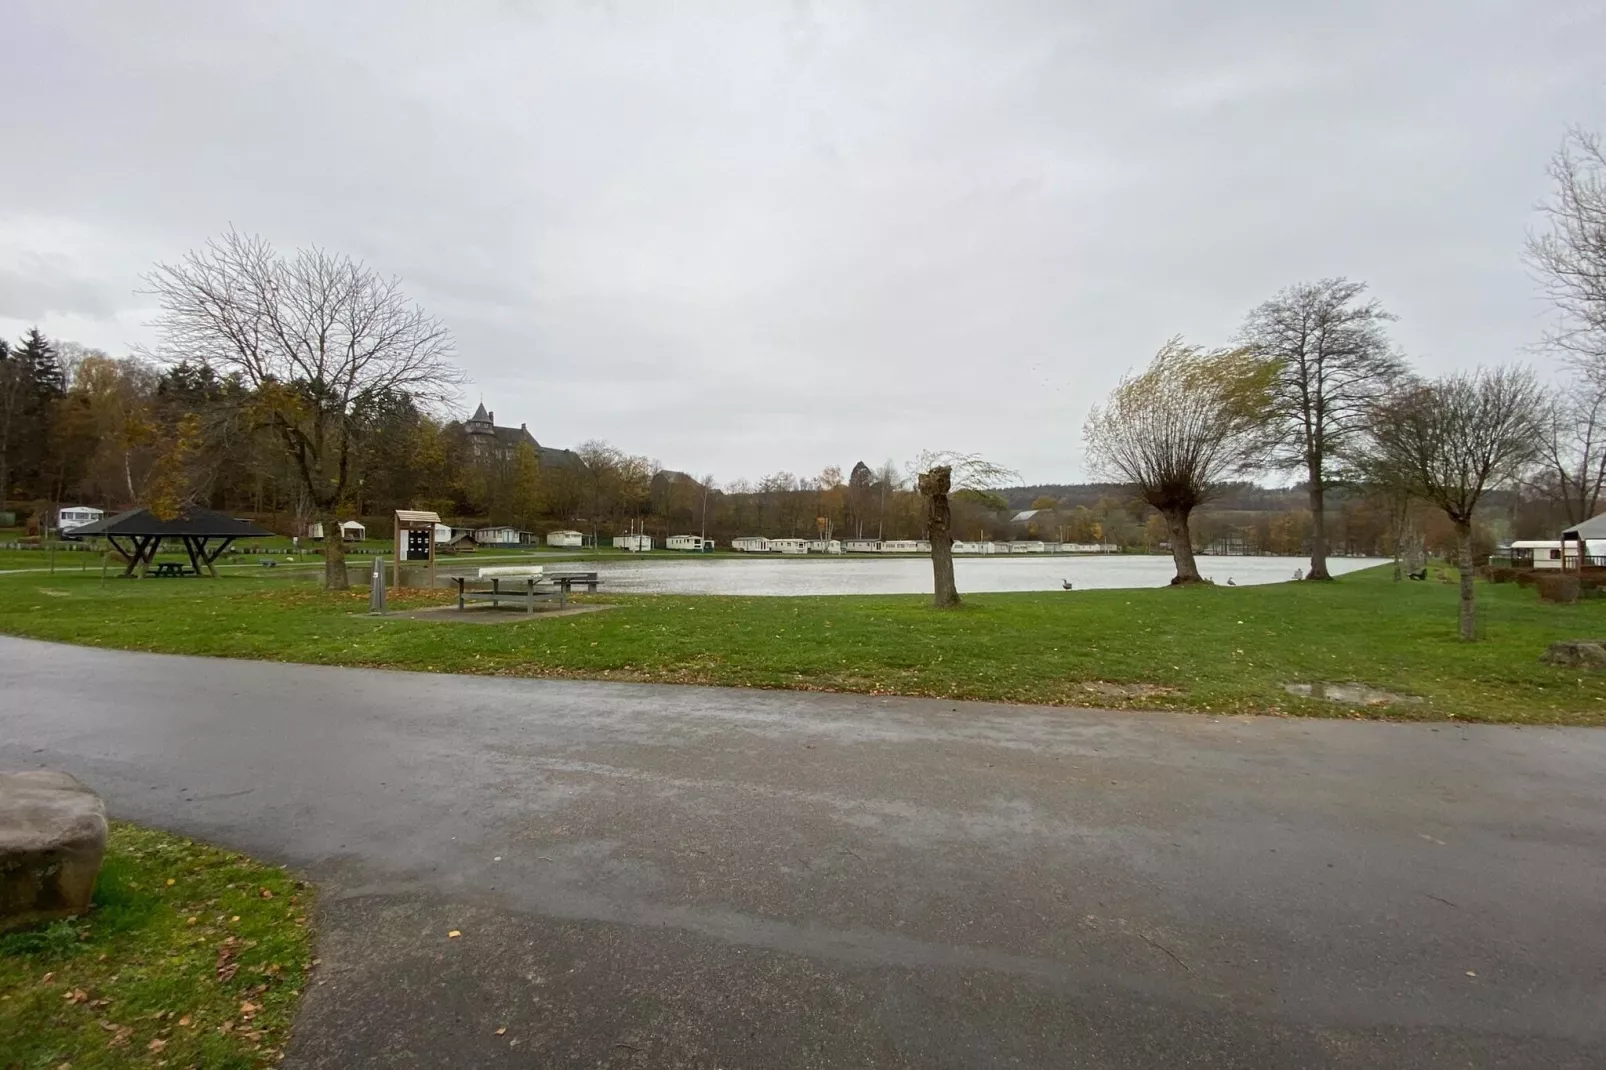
[453, 935]
[75, 995]
[185, 1021]
[156, 1045]
[499, 1032]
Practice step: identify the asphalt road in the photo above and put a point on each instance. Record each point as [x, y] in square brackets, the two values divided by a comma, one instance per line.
[659, 876]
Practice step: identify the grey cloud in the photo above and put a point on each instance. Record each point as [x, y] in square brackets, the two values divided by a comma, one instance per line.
[792, 235]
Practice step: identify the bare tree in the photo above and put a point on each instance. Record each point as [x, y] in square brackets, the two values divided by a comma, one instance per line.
[1570, 470]
[1569, 258]
[1333, 360]
[938, 474]
[317, 338]
[1450, 440]
[1179, 430]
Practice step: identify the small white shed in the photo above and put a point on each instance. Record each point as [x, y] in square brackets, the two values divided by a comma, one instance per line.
[565, 537]
[632, 543]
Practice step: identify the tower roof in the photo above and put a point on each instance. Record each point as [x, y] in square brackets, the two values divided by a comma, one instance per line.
[480, 415]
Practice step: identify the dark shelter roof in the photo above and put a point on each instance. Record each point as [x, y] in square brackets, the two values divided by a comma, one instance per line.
[192, 521]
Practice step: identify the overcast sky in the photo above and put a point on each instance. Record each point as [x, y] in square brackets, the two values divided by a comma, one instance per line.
[747, 237]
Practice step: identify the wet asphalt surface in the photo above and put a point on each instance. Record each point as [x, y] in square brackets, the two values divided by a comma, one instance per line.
[660, 876]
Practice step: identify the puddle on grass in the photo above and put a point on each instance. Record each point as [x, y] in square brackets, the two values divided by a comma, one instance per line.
[1350, 694]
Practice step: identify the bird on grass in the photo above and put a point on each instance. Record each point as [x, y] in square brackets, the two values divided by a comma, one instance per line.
[1230, 582]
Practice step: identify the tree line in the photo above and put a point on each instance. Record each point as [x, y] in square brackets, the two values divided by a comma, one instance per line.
[1313, 384]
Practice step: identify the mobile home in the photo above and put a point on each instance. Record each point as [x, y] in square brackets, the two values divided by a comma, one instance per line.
[967, 547]
[1026, 546]
[565, 538]
[751, 544]
[632, 543]
[684, 542]
[905, 546]
[76, 516]
[861, 546]
[500, 536]
[825, 546]
[1539, 553]
[789, 546]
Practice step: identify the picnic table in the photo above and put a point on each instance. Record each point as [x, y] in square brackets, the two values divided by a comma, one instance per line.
[170, 568]
[524, 584]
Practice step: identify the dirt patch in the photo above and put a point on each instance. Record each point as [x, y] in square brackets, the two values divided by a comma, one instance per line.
[1106, 689]
[1350, 694]
[494, 614]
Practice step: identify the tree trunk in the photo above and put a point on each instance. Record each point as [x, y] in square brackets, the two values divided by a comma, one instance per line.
[1318, 531]
[934, 487]
[334, 556]
[1469, 609]
[1176, 522]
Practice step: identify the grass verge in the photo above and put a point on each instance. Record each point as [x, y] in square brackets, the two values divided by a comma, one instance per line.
[1216, 649]
[192, 956]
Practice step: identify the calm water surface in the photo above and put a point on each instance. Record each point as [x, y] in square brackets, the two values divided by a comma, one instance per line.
[774, 575]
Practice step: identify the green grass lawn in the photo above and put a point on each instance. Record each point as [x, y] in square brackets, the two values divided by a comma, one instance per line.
[1217, 649]
[192, 956]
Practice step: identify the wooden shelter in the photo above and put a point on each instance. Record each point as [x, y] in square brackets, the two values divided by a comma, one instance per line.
[138, 534]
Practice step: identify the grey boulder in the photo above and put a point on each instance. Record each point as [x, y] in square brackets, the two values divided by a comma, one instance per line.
[52, 839]
[1576, 654]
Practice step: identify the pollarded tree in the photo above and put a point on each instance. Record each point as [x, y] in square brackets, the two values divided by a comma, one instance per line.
[1333, 361]
[315, 338]
[937, 475]
[1181, 429]
[1450, 440]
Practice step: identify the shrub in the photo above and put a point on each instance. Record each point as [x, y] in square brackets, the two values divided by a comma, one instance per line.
[1527, 578]
[1560, 587]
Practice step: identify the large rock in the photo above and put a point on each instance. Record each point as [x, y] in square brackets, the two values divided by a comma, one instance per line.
[52, 838]
[1577, 654]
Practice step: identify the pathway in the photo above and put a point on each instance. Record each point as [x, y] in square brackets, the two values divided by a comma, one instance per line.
[660, 876]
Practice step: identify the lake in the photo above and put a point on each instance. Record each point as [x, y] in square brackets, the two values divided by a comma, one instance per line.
[775, 575]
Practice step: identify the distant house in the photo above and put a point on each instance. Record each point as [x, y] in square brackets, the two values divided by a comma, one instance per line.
[632, 543]
[825, 546]
[789, 546]
[1026, 546]
[443, 534]
[861, 546]
[687, 542]
[350, 531]
[967, 547]
[76, 516]
[904, 546]
[565, 538]
[490, 442]
[751, 544]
